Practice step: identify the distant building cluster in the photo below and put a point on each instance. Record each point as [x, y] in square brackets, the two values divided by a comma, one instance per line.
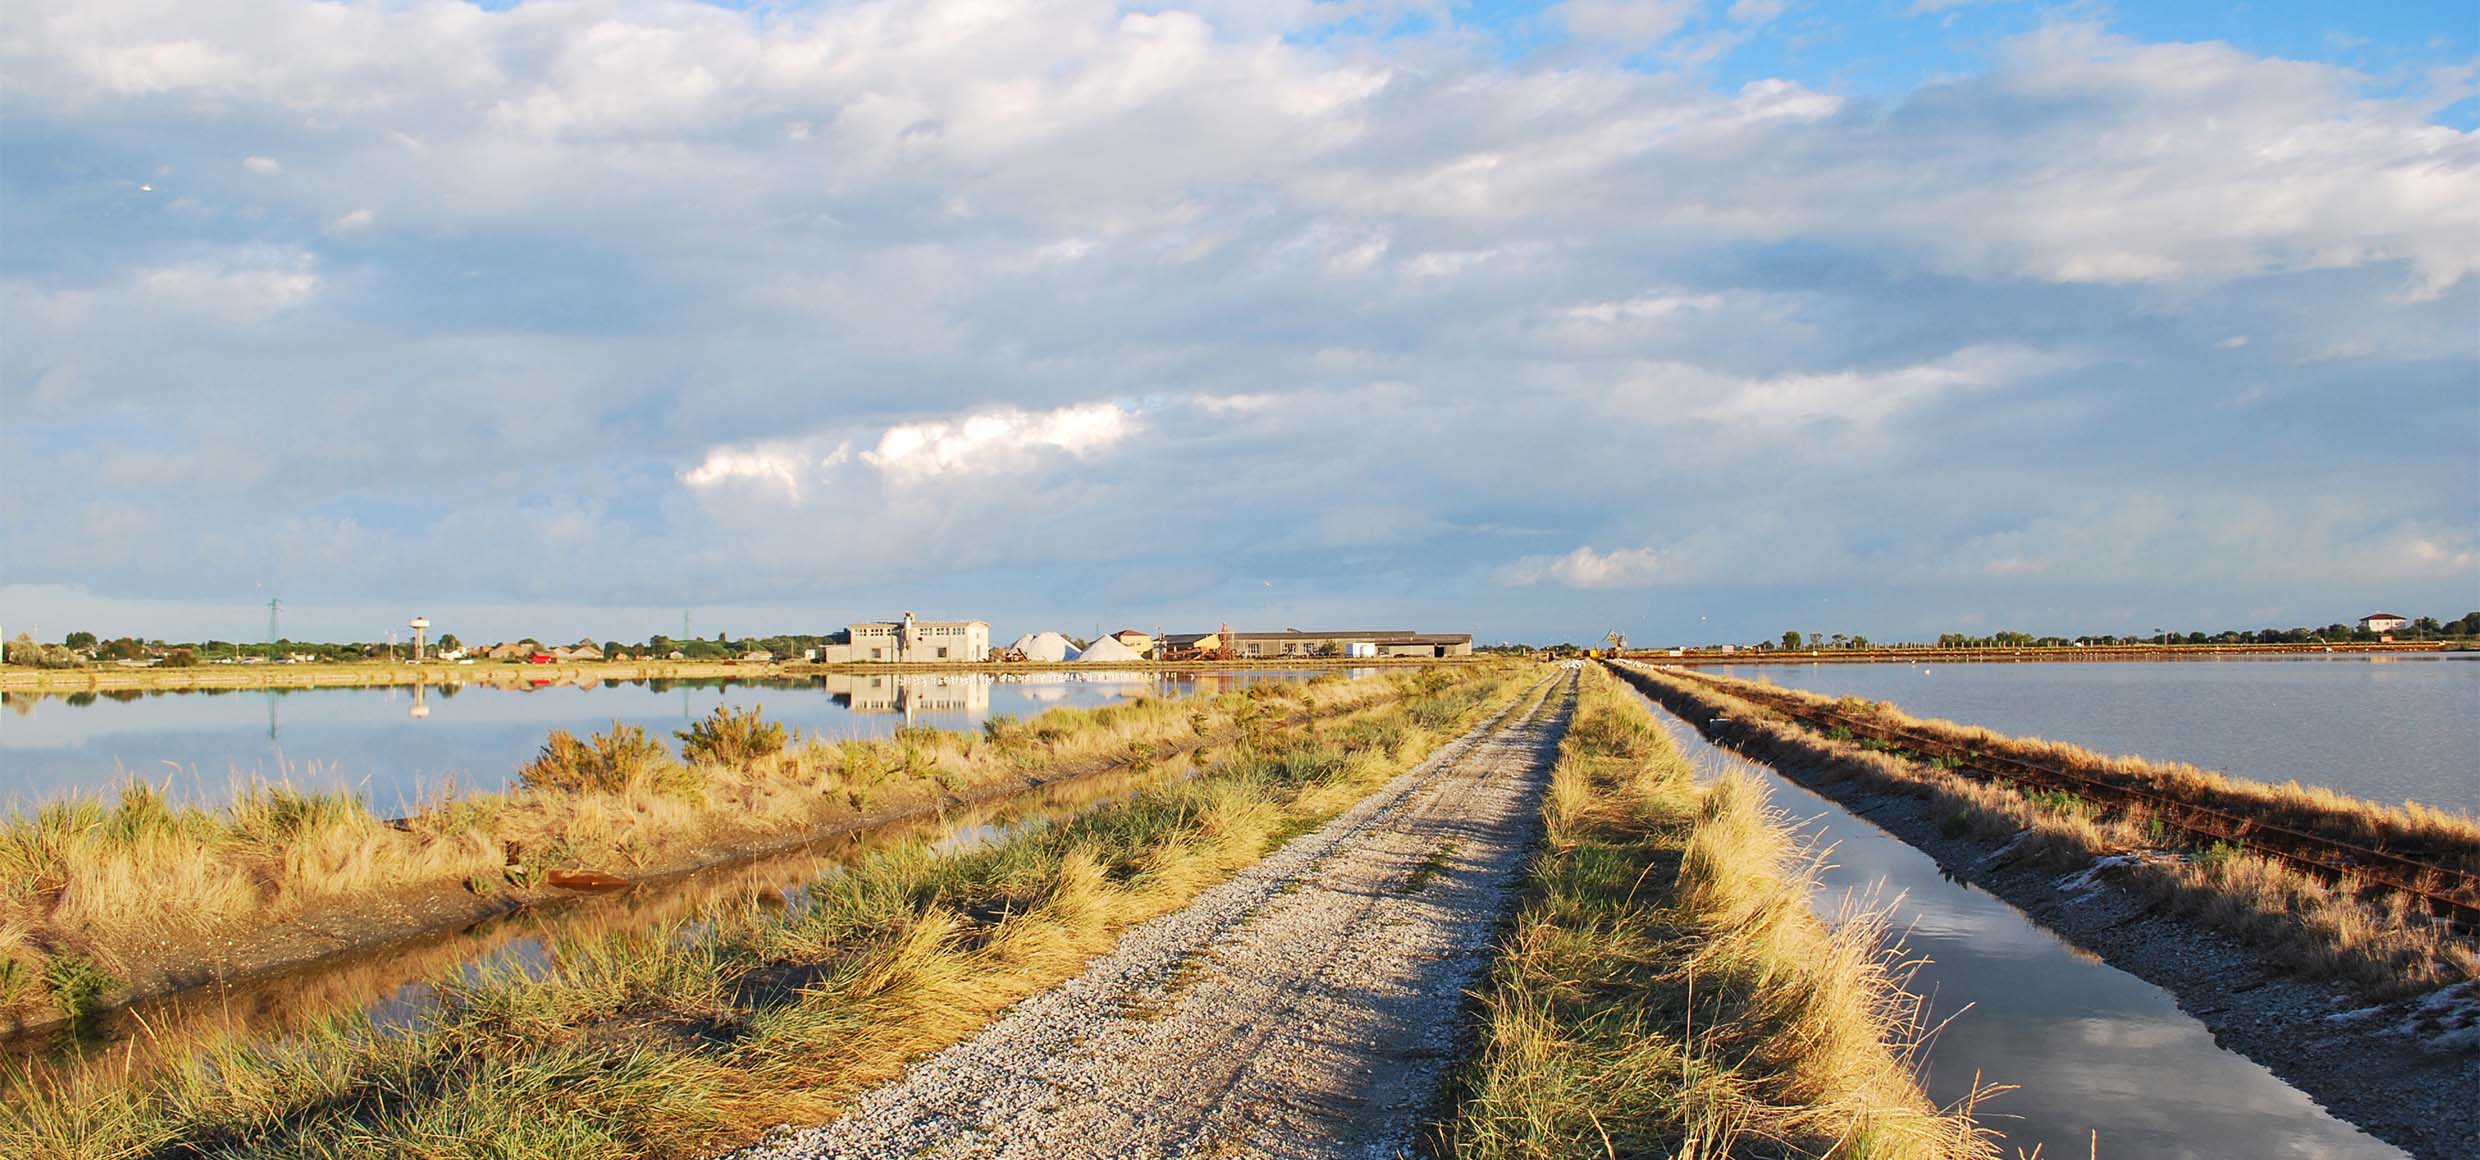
[911, 640]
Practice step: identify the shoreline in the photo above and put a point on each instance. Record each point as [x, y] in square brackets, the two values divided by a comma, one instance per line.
[2038, 654]
[691, 1038]
[357, 922]
[2365, 1060]
[26, 679]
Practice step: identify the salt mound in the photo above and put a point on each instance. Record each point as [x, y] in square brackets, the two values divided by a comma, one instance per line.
[1044, 646]
[1109, 651]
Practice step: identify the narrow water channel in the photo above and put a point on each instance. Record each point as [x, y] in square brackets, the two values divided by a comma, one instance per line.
[392, 986]
[2104, 1063]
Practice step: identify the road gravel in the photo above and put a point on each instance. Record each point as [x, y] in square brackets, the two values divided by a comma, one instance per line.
[1309, 1007]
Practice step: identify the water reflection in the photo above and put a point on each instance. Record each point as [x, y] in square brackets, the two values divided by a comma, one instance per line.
[397, 744]
[392, 985]
[2092, 1048]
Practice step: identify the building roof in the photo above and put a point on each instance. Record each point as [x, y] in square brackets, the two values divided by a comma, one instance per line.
[2384, 616]
[917, 621]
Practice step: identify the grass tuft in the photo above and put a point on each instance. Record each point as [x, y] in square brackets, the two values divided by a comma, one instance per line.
[1665, 989]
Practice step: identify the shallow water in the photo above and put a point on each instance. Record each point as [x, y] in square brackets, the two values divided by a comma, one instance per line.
[393, 985]
[2386, 728]
[396, 744]
[2090, 1048]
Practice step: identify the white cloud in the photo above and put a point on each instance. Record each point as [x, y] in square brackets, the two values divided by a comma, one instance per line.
[263, 166]
[1628, 24]
[248, 285]
[991, 441]
[907, 455]
[1241, 404]
[1412, 296]
[1867, 398]
[1586, 568]
[783, 467]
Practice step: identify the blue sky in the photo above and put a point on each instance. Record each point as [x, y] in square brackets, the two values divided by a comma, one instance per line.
[1698, 320]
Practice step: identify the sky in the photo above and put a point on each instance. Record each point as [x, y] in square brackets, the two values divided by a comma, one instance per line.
[1695, 319]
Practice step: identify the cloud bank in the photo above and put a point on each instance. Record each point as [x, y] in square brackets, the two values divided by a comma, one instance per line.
[1234, 312]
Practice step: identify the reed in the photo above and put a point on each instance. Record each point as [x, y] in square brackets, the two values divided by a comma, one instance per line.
[697, 1035]
[2296, 923]
[1666, 990]
[149, 893]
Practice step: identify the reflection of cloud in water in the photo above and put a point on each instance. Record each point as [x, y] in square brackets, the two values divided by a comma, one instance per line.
[2090, 1047]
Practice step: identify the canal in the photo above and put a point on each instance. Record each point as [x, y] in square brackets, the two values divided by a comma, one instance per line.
[2103, 1063]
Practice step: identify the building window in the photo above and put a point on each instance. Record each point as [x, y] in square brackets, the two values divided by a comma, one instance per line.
[876, 654]
[942, 654]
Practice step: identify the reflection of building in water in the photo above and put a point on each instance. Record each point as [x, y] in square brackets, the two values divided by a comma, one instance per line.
[419, 709]
[911, 693]
[1053, 686]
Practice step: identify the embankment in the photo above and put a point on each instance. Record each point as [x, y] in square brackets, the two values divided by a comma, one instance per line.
[1665, 989]
[679, 1040]
[2349, 991]
[103, 902]
[2037, 654]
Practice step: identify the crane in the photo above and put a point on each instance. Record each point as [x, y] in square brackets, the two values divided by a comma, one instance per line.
[1617, 641]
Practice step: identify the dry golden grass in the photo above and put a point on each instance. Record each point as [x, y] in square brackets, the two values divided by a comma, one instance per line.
[2295, 922]
[2450, 837]
[1666, 990]
[138, 889]
[691, 1037]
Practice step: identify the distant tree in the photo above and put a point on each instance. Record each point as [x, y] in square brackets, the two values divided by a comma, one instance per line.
[611, 648]
[179, 658]
[79, 640]
[24, 651]
[1791, 638]
[448, 641]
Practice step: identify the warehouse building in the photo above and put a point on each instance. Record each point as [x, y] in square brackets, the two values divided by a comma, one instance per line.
[1292, 642]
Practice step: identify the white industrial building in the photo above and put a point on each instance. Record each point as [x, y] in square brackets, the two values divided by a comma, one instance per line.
[914, 640]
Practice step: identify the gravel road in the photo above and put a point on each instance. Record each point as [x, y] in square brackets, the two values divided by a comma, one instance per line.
[1307, 1008]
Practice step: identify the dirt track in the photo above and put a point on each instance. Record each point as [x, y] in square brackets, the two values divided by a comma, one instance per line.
[1306, 1008]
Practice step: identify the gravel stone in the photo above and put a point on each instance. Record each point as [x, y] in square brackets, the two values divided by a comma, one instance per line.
[1309, 1007]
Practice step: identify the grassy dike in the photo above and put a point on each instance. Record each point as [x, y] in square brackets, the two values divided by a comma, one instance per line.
[2294, 923]
[1666, 990]
[697, 1035]
[105, 900]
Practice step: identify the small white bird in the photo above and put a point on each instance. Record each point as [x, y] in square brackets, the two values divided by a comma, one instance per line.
[146, 189]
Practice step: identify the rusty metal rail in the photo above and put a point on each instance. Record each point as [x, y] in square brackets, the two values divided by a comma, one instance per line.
[2450, 892]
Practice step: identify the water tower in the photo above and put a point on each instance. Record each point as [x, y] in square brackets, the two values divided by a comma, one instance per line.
[421, 626]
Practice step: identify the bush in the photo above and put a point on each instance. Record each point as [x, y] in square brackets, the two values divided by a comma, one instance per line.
[732, 737]
[24, 651]
[618, 761]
